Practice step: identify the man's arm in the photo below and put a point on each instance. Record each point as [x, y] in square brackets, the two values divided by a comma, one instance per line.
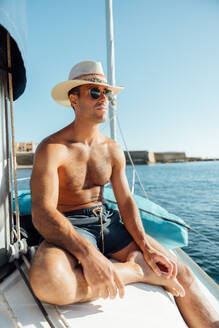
[132, 220]
[57, 229]
[51, 223]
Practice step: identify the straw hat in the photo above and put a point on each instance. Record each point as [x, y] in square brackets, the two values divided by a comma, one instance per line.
[87, 72]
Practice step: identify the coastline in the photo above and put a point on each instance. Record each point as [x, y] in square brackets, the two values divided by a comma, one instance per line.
[25, 159]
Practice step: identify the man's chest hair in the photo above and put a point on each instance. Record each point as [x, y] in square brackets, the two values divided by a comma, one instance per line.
[87, 169]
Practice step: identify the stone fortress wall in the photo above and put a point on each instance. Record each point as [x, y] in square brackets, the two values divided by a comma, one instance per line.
[25, 155]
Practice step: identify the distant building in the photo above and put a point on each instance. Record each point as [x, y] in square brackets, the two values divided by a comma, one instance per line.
[149, 157]
[139, 156]
[165, 157]
[26, 147]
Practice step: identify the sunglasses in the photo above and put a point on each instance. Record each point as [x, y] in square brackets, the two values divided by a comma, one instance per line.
[95, 93]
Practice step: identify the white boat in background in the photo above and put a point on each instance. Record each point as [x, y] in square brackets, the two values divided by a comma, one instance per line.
[18, 306]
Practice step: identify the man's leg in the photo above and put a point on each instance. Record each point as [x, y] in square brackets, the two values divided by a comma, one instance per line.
[56, 277]
[194, 307]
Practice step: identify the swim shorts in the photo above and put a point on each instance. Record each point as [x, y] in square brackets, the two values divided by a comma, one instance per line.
[88, 225]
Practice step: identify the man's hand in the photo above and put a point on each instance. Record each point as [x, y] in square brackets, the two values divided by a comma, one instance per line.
[159, 263]
[101, 276]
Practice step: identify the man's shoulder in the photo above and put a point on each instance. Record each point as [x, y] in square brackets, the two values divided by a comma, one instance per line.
[52, 147]
[114, 146]
[115, 151]
[55, 141]
[111, 143]
[50, 143]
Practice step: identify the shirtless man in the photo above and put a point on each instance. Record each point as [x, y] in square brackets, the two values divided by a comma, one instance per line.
[70, 169]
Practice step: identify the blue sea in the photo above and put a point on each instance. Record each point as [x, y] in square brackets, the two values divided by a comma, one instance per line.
[189, 190]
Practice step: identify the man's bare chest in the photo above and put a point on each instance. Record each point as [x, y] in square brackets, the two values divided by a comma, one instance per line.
[85, 170]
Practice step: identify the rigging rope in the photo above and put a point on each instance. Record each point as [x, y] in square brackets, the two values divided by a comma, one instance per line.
[132, 163]
[133, 182]
[133, 167]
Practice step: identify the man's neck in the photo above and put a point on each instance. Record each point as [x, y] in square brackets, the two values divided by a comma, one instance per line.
[88, 134]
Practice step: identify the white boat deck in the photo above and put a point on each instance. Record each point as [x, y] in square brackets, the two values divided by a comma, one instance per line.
[147, 305]
[143, 304]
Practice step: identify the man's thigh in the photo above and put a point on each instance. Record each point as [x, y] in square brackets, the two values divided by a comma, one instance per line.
[132, 246]
[48, 259]
[123, 254]
[55, 276]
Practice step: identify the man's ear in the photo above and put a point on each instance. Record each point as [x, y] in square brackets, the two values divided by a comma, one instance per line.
[74, 100]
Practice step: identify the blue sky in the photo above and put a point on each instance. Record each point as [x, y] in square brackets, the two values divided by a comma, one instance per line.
[166, 56]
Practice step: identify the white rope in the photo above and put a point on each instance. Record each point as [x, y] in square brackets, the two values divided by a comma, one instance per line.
[135, 173]
[133, 181]
[130, 158]
[22, 179]
[13, 138]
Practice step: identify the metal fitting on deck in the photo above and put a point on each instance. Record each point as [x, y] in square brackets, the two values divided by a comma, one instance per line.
[17, 249]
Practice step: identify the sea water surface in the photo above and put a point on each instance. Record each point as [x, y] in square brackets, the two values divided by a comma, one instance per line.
[189, 190]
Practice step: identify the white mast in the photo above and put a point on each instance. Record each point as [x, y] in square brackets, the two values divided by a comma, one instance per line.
[4, 164]
[111, 64]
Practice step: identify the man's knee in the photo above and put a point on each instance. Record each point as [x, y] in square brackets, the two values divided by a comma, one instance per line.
[47, 281]
[52, 277]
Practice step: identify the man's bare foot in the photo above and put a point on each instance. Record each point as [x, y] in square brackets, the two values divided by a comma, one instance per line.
[148, 276]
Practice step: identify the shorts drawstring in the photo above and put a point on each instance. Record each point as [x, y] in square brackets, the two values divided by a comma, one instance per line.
[98, 211]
